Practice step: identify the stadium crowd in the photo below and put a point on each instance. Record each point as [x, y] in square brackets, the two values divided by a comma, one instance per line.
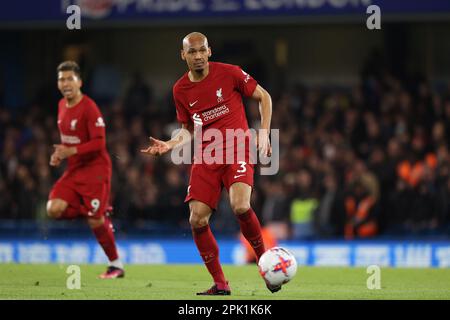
[355, 162]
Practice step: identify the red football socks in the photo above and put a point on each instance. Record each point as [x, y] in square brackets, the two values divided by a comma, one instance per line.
[251, 229]
[105, 237]
[209, 251]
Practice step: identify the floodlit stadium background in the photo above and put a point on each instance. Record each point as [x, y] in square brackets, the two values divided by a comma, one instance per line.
[362, 114]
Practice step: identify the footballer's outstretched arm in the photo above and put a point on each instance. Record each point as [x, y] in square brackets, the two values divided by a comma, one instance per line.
[265, 110]
[159, 147]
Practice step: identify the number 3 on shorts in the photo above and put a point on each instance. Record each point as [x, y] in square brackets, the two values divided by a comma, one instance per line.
[95, 204]
[243, 168]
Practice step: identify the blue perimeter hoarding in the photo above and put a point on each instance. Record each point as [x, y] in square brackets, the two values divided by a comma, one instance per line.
[130, 10]
[163, 251]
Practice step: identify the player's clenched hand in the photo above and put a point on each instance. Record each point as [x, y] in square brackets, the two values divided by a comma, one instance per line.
[63, 152]
[263, 142]
[54, 160]
[157, 147]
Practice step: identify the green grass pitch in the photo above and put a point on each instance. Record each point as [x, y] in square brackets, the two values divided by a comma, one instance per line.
[180, 282]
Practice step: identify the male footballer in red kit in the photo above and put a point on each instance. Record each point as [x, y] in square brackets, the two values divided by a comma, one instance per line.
[84, 188]
[209, 96]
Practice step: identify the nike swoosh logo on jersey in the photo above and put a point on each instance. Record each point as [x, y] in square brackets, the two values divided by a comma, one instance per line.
[241, 175]
[192, 104]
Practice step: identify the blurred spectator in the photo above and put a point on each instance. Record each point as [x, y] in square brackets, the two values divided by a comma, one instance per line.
[329, 216]
[303, 204]
[361, 203]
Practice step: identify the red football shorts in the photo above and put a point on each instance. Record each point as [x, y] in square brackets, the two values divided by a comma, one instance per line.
[94, 196]
[206, 180]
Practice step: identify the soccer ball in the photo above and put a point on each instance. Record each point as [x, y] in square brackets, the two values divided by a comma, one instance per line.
[277, 266]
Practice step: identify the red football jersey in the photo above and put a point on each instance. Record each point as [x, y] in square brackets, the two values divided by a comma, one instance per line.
[78, 125]
[216, 101]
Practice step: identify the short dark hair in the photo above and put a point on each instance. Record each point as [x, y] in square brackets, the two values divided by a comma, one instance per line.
[69, 66]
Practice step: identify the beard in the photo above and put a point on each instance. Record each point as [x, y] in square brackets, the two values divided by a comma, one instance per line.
[199, 71]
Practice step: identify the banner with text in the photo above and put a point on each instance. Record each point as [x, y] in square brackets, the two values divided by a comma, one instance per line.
[151, 10]
[340, 253]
